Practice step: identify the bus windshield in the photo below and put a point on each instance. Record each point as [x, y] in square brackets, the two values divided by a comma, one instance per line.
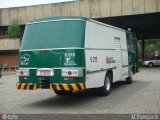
[54, 34]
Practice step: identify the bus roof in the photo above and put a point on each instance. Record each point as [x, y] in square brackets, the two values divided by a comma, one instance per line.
[57, 18]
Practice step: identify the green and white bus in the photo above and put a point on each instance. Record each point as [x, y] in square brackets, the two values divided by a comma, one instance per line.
[67, 54]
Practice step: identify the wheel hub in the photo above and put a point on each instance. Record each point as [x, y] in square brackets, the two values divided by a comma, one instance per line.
[107, 84]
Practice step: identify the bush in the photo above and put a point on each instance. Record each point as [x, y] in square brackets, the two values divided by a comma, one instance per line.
[14, 31]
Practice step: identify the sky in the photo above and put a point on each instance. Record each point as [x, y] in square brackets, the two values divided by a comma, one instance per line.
[19, 3]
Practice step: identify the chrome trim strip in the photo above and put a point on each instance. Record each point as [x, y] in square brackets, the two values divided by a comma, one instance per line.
[68, 48]
[54, 21]
[52, 49]
[27, 68]
[124, 50]
[57, 68]
[126, 65]
[99, 49]
[70, 68]
[89, 72]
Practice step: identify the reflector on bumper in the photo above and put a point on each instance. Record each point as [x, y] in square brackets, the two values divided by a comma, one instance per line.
[72, 72]
[23, 72]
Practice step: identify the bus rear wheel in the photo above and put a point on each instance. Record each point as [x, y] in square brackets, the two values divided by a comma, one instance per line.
[129, 80]
[106, 89]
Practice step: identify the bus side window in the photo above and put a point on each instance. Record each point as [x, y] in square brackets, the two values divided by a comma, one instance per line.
[128, 36]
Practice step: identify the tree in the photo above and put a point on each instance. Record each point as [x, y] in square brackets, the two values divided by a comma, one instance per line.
[151, 47]
[14, 31]
[158, 46]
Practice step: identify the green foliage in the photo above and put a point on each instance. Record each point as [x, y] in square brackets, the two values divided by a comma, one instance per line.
[154, 45]
[158, 46]
[14, 31]
[151, 47]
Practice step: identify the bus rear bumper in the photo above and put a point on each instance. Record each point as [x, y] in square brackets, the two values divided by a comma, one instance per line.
[26, 86]
[55, 86]
[67, 87]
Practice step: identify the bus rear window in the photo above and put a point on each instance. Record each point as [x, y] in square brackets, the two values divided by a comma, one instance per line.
[57, 34]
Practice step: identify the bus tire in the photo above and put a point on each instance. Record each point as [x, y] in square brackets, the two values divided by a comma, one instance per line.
[58, 92]
[129, 80]
[106, 89]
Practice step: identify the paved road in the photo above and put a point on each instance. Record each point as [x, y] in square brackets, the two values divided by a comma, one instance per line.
[143, 96]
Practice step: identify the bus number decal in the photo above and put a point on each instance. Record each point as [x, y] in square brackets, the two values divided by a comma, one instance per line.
[69, 59]
[93, 59]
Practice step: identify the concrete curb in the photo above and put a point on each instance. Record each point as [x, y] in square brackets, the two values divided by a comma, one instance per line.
[12, 73]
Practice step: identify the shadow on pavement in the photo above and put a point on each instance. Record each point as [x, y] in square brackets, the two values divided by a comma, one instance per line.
[120, 90]
[77, 98]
